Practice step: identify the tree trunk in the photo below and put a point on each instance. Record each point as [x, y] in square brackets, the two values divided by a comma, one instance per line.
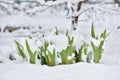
[75, 18]
[0, 30]
[116, 1]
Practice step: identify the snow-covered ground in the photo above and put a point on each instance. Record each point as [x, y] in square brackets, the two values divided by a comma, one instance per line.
[83, 71]
[103, 17]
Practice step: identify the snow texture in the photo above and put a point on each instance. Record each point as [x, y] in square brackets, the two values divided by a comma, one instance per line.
[104, 16]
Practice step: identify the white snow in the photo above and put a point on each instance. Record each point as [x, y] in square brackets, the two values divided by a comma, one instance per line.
[51, 48]
[104, 17]
[60, 41]
[78, 71]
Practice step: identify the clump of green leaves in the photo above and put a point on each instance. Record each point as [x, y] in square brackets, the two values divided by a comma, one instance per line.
[69, 55]
[32, 55]
[51, 60]
[98, 49]
[78, 55]
[43, 53]
[47, 57]
[68, 52]
[83, 50]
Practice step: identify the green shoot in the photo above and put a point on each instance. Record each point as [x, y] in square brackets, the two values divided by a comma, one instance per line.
[32, 55]
[51, 61]
[20, 50]
[56, 32]
[97, 50]
[79, 54]
[68, 52]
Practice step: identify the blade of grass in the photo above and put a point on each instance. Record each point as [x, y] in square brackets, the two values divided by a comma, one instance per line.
[21, 52]
[31, 54]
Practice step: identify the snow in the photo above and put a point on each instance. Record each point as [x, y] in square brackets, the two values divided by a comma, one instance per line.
[7, 1]
[75, 1]
[104, 17]
[111, 55]
[51, 48]
[78, 39]
[60, 41]
[96, 42]
[78, 71]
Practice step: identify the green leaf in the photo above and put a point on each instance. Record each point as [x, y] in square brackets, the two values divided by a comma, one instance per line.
[104, 34]
[44, 56]
[93, 31]
[43, 59]
[63, 57]
[48, 59]
[97, 52]
[46, 44]
[56, 32]
[70, 40]
[93, 46]
[101, 44]
[67, 33]
[80, 54]
[31, 54]
[20, 50]
[30, 37]
[101, 35]
[68, 51]
[51, 58]
[28, 48]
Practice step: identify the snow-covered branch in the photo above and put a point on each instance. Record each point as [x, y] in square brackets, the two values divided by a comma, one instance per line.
[4, 6]
[80, 13]
[45, 5]
[6, 1]
[37, 9]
